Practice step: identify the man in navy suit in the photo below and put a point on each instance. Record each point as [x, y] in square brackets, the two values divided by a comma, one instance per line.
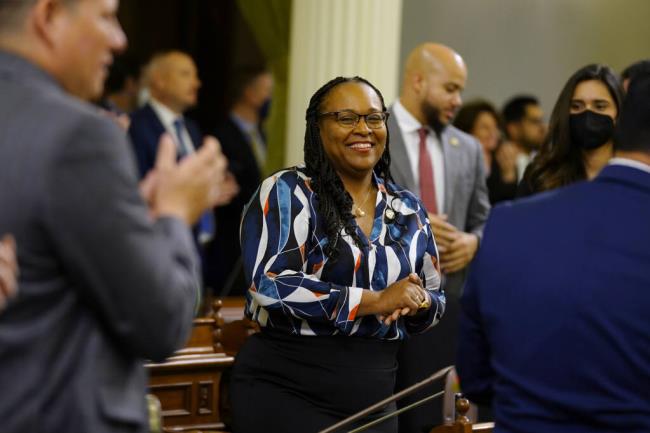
[554, 330]
[173, 83]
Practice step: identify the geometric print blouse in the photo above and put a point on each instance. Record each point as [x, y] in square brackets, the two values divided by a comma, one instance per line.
[295, 289]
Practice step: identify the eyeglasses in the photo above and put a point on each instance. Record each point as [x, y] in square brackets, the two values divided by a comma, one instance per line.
[350, 119]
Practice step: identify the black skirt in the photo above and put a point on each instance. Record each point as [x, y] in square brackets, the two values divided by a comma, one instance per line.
[303, 384]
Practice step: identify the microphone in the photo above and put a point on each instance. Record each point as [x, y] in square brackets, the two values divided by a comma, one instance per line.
[403, 393]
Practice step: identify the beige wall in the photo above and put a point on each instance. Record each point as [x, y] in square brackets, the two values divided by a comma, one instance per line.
[513, 46]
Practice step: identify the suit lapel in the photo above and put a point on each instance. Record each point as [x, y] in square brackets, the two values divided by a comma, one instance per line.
[400, 165]
[449, 167]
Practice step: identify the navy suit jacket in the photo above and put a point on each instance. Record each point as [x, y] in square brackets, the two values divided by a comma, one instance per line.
[145, 131]
[555, 327]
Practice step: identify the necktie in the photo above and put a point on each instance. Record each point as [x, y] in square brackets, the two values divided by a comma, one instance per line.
[257, 147]
[427, 186]
[179, 126]
[206, 223]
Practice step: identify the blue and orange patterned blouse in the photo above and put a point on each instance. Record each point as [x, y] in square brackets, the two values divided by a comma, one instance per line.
[295, 289]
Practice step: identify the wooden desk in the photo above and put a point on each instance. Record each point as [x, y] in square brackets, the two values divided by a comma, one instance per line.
[189, 384]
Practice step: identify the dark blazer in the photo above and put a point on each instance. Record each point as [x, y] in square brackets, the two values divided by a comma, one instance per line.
[554, 329]
[145, 131]
[102, 287]
[225, 250]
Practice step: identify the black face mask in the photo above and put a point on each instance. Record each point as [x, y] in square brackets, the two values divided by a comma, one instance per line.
[590, 130]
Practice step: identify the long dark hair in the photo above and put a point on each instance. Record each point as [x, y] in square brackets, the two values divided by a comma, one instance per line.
[334, 202]
[559, 162]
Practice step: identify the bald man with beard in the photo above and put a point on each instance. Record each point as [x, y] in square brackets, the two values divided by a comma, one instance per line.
[444, 166]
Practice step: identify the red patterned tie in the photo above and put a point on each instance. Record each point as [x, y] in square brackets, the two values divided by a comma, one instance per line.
[427, 186]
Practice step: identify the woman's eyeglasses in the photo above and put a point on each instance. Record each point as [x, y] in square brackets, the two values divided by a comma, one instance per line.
[350, 119]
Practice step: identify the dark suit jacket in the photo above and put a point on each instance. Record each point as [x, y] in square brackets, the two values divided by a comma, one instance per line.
[556, 327]
[101, 287]
[145, 131]
[225, 249]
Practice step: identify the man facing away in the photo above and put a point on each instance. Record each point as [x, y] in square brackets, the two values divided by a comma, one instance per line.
[554, 330]
[444, 166]
[105, 282]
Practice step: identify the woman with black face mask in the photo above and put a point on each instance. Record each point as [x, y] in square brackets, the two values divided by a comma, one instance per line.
[579, 140]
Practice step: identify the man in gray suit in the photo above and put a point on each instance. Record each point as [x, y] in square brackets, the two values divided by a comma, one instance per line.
[444, 166]
[104, 282]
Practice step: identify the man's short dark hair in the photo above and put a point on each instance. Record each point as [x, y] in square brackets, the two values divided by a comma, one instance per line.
[633, 128]
[642, 66]
[515, 109]
[123, 67]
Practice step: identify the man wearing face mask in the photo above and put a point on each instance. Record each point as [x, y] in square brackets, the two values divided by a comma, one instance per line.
[554, 329]
[444, 166]
[579, 142]
[244, 144]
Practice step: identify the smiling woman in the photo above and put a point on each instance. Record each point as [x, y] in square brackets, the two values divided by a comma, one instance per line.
[341, 265]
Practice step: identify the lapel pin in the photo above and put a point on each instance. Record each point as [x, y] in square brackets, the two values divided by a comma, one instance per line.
[454, 141]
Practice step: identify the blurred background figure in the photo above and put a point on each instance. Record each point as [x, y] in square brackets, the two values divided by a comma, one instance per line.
[636, 68]
[523, 123]
[243, 142]
[121, 91]
[579, 141]
[480, 119]
[173, 83]
[123, 85]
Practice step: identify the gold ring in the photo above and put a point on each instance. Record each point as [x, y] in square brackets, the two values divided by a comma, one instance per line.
[424, 304]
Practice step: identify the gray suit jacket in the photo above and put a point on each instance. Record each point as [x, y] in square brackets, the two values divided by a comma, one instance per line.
[101, 286]
[466, 197]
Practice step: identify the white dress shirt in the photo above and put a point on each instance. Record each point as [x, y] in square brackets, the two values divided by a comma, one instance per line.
[409, 127]
[167, 117]
[630, 163]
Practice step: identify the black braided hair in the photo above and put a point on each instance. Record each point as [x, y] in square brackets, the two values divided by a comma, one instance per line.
[334, 202]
